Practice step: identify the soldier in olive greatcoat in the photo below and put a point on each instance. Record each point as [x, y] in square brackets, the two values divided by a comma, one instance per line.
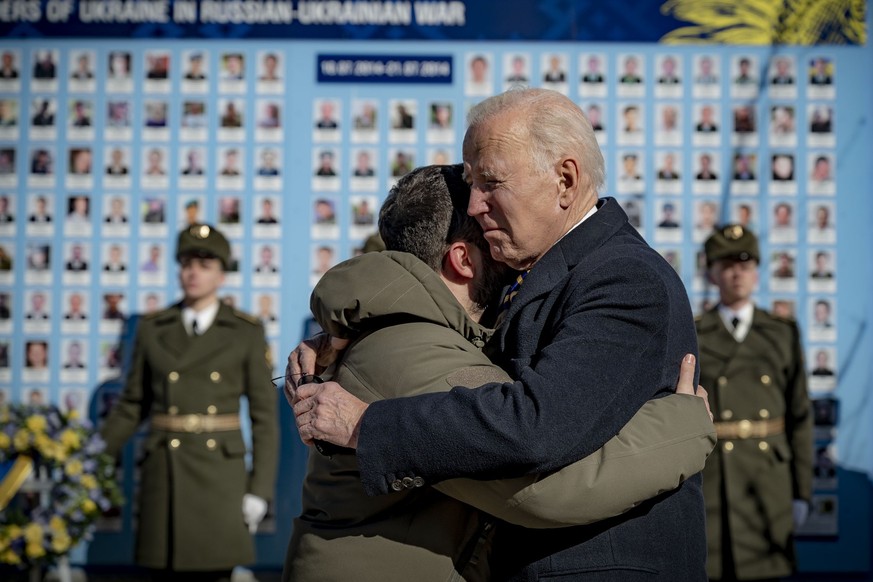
[758, 481]
[192, 362]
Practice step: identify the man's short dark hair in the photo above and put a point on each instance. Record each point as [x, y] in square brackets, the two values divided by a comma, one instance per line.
[426, 211]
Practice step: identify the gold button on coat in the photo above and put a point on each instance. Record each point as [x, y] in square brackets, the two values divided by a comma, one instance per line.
[765, 379]
[173, 376]
[173, 410]
[764, 413]
[210, 444]
[727, 414]
[722, 380]
[729, 446]
[763, 446]
[215, 377]
[211, 409]
[175, 443]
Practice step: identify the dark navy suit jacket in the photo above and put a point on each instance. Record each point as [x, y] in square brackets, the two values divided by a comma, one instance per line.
[599, 327]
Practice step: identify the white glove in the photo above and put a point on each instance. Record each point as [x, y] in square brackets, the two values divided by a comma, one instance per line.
[253, 509]
[800, 509]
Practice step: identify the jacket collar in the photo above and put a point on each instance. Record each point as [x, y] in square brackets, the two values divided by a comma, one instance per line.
[725, 344]
[567, 253]
[187, 351]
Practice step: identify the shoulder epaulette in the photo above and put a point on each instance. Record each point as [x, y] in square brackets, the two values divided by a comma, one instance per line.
[790, 321]
[247, 317]
[157, 315]
[787, 320]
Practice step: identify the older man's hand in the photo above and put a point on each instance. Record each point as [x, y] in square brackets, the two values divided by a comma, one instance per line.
[326, 412]
[685, 385]
[311, 356]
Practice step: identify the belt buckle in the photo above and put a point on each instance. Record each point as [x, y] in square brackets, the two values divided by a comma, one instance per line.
[744, 429]
[192, 423]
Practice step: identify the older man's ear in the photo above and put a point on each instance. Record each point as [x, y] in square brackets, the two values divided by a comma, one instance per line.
[569, 181]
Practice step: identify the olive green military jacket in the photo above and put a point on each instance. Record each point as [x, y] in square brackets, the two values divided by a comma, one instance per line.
[759, 379]
[192, 484]
[416, 338]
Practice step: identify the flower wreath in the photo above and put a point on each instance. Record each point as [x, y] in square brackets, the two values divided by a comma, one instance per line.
[77, 476]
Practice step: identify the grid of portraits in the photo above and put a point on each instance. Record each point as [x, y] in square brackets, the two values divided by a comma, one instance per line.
[361, 147]
[695, 140]
[106, 152]
[104, 155]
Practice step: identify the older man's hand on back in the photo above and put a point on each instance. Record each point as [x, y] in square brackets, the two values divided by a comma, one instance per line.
[310, 357]
[326, 412]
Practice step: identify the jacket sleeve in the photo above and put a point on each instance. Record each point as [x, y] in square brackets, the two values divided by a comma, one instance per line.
[667, 441]
[799, 423]
[604, 356]
[263, 411]
[134, 404]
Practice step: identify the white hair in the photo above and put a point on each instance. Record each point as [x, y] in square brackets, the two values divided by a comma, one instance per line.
[555, 126]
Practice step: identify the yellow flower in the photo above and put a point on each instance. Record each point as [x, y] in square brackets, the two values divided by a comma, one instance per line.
[70, 439]
[88, 506]
[10, 557]
[767, 22]
[33, 533]
[89, 482]
[35, 423]
[57, 524]
[35, 550]
[60, 543]
[5, 441]
[73, 414]
[21, 439]
[73, 467]
[44, 444]
[13, 531]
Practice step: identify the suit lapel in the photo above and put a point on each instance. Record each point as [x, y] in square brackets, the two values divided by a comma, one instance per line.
[563, 256]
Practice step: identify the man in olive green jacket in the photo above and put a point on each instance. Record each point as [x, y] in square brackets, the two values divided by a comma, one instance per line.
[417, 315]
[758, 481]
[192, 362]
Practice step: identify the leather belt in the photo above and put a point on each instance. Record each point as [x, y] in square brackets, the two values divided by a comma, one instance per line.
[749, 429]
[195, 423]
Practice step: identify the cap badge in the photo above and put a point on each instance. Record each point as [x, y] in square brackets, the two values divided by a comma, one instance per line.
[734, 232]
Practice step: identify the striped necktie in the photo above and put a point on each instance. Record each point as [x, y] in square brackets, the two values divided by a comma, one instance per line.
[509, 296]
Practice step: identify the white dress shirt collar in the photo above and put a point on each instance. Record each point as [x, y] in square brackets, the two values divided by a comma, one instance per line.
[204, 318]
[744, 315]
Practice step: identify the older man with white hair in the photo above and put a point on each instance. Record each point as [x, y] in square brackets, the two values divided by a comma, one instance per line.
[593, 328]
